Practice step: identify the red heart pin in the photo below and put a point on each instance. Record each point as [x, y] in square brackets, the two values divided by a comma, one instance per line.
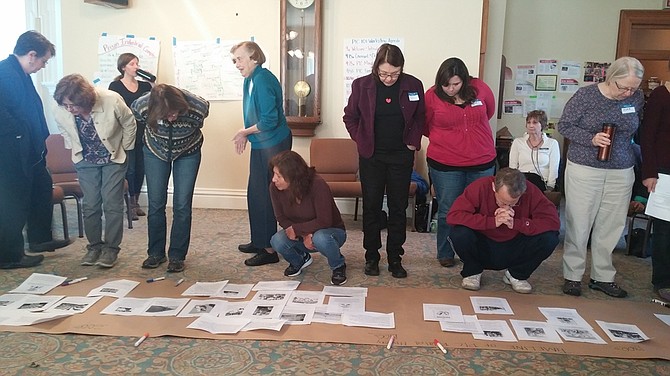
[388, 100]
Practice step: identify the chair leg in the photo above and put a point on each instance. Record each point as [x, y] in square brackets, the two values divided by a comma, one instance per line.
[63, 212]
[412, 206]
[650, 221]
[80, 216]
[129, 215]
[631, 222]
[356, 210]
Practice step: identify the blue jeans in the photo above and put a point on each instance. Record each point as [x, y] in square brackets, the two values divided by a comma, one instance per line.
[327, 241]
[184, 172]
[448, 186]
[102, 186]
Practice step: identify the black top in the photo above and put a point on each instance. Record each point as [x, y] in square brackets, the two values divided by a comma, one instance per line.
[389, 121]
[128, 96]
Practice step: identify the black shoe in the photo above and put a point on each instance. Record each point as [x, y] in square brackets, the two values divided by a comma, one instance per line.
[49, 246]
[175, 266]
[397, 271]
[372, 268]
[293, 271]
[609, 288]
[25, 262]
[339, 276]
[262, 258]
[152, 262]
[249, 248]
[573, 288]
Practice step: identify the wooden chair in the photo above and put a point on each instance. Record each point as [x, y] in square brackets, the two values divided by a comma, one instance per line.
[64, 175]
[336, 160]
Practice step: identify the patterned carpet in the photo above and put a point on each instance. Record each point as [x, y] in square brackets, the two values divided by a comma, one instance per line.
[214, 256]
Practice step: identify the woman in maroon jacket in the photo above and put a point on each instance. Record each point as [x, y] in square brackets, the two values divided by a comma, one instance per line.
[385, 116]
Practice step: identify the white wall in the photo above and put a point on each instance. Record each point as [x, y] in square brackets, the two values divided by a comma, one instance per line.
[433, 30]
[576, 30]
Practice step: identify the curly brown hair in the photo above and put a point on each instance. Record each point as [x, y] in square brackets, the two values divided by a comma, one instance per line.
[295, 171]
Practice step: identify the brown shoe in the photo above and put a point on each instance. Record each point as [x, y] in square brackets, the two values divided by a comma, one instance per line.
[447, 262]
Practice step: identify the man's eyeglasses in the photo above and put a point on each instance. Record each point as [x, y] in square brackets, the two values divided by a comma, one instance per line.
[70, 107]
[625, 89]
[385, 75]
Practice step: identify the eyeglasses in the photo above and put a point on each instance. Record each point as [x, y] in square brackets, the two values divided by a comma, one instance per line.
[385, 75]
[625, 89]
[70, 106]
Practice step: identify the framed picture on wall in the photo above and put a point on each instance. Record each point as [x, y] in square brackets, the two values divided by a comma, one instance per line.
[666, 4]
[546, 82]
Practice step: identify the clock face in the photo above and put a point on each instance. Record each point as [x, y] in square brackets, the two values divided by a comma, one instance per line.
[301, 4]
[302, 89]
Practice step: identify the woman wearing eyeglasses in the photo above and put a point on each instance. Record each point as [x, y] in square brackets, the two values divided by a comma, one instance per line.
[173, 142]
[98, 126]
[598, 191]
[461, 148]
[385, 116]
[535, 154]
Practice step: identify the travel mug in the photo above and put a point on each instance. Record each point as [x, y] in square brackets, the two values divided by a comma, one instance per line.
[146, 75]
[604, 152]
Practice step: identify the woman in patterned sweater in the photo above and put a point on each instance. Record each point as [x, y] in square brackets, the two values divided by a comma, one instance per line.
[172, 145]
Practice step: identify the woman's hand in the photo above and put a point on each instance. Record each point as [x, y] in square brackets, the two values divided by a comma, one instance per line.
[601, 139]
[290, 233]
[240, 141]
[307, 241]
[650, 183]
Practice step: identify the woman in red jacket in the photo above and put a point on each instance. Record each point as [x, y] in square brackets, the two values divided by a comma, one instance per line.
[461, 149]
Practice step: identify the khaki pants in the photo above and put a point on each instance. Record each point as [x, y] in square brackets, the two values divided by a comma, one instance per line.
[596, 199]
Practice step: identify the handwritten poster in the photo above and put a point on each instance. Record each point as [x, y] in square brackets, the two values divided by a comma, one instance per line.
[111, 46]
[206, 69]
[359, 55]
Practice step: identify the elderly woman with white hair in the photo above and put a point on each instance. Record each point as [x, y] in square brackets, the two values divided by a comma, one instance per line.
[598, 190]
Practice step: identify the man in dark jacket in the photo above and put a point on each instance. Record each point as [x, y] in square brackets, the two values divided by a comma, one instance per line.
[25, 183]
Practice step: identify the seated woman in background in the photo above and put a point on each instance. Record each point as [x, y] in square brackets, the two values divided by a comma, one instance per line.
[535, 154]
[306, 211]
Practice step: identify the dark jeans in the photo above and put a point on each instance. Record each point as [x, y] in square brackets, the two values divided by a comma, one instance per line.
[135, 173]
[184, 171]
[262, 221]
[385, 173]
[520, 256]
[660, 257]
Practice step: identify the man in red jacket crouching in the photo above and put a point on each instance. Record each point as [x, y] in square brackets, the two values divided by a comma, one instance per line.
[500, 222]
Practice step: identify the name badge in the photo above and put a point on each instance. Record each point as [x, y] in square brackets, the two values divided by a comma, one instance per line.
[413, 96]
[476, 103]
[628, 110]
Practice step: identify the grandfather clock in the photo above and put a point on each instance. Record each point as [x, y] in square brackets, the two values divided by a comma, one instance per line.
[301, 64]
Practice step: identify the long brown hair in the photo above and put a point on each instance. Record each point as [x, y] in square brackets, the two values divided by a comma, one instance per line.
[295, 171]
[122, 61]
[163, 100]
[448, 69]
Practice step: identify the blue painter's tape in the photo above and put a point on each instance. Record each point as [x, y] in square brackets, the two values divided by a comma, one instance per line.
[97, 80]
[130, 36]
[104, 34]
[174, 41]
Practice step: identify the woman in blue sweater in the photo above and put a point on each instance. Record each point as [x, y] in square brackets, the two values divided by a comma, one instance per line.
[266, 129]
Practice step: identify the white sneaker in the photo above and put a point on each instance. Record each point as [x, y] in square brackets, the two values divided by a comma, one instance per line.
[472, 282]
[520, 286]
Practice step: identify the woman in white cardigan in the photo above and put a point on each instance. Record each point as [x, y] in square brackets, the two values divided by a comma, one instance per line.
[535, 154]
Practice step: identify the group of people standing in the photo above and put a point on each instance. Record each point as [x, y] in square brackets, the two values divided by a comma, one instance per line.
[491, 222]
